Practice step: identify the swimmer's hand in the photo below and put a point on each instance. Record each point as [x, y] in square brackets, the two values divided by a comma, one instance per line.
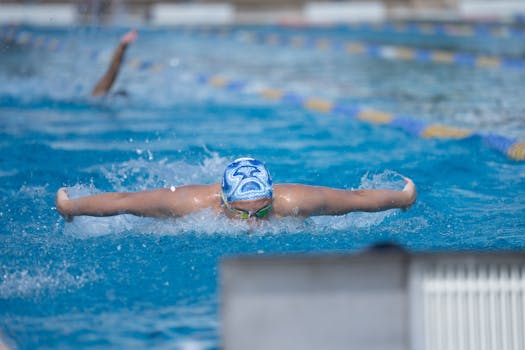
[410, 192]
[63, 203]
[129, 37]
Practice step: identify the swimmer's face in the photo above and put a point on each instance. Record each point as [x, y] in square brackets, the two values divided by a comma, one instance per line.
[250, 209]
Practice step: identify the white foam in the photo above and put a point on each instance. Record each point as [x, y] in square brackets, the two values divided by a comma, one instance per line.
[33, 282]
[149, 173]
[388, 179]
[203, 222]
[193, 344]
[7, 173]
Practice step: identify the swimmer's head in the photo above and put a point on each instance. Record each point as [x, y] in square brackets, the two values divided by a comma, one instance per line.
[246, 179]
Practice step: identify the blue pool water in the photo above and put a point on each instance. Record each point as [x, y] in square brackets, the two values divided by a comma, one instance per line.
[128, 282]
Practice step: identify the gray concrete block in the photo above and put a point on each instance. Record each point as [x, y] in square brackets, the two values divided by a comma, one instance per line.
[315, 302]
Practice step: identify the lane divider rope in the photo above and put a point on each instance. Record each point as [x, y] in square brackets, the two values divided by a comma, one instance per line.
[355, 48]
[390, 52]
[511, 147]
[435, 29]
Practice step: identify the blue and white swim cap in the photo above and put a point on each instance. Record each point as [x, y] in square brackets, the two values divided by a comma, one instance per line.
[245, 179]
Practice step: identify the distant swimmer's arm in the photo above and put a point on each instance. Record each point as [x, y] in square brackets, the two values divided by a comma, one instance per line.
[313, 200]
[160, 203]
[105, 83]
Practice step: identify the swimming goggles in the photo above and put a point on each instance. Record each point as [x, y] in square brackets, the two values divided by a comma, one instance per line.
[245, 214]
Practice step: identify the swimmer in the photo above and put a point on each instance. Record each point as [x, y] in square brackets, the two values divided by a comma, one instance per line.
[105, 83]
[246, 193]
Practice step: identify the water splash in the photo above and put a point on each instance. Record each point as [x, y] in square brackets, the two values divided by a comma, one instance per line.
[144, 174]
[140, 174]
[41, 280]
[388, 179]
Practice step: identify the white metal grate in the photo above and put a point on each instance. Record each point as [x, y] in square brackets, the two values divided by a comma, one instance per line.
[478, 306]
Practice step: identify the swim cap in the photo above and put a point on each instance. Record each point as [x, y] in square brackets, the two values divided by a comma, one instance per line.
[245, 179]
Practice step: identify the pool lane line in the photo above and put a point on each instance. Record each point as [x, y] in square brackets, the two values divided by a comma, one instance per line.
[390, 52]
[511, 147]
[452, 30]
[12, 34]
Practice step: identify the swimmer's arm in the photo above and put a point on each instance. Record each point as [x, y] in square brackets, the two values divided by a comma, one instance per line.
[314, 201]
[105, 83]
[160, 203]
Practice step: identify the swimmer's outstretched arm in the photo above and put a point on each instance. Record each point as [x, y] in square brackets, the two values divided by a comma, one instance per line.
[105, 83]
[160, 203]
[299, 200]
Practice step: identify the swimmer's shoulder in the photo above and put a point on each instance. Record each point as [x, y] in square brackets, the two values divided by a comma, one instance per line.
[289, 199]
[197, 190]
[190, 198]
[291, 190]
[205, 194]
